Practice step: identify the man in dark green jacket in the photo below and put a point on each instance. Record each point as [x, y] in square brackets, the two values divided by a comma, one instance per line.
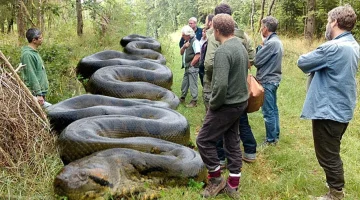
[34, 73]
[227, 103]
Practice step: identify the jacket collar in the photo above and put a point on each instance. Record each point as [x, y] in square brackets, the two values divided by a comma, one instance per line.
[342, 35]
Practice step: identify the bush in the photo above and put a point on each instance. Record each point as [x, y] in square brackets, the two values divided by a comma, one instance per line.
[60, 70]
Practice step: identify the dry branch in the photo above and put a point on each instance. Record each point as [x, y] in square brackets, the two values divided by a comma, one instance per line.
[24, 128]
[21, 83]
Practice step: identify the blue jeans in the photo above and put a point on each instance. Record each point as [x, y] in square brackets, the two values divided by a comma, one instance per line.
[271, 112]
[246, 136]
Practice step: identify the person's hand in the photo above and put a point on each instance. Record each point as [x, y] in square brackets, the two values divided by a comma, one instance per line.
[263, 38]
[40, 100]
[187, 44]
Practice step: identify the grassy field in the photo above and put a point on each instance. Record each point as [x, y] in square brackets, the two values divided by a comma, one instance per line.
[286, 171]
[290, 169]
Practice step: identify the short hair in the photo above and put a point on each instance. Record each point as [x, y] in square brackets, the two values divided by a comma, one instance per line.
[270, 22]
[344, 15]
[187, 30]
[223, 8]
[32, 33]
[224, 23]
[193, 19]
[210, 17]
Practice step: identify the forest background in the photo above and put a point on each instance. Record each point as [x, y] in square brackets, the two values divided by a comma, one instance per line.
[74, 29]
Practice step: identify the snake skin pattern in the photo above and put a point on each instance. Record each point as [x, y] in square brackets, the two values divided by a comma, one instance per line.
[113, 147]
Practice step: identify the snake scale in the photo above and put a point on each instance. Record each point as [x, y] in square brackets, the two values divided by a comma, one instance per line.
[124, 138]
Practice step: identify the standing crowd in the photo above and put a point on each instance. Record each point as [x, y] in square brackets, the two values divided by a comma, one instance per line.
[221, 54]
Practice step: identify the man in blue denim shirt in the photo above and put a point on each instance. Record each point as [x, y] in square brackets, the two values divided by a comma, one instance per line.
[268, 63]
[331, 97]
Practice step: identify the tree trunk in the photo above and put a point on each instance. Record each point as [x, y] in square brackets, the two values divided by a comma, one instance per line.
[20, 21]
[252, 15]
[105, 20]
[10, 19]
[270, 7]
[40, 15]
[310, 21]
[10, 25]
[262, 13]
[93, 10]
[176, 23]
[27, 13]
[2, 26]
[80, 23]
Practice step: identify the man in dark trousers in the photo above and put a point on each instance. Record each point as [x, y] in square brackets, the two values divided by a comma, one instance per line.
[331, 98]
[227, 103]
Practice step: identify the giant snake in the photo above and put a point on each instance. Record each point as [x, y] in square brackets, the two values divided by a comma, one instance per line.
[109, 144]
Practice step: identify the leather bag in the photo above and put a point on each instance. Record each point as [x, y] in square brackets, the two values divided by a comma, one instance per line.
[256, 94]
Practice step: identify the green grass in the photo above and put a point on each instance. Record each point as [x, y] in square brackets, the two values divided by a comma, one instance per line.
[290, 169]
[286, 171]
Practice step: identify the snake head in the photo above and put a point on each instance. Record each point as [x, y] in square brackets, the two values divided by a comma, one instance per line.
[86, 182]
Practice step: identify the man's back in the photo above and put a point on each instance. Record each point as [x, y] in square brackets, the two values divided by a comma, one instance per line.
[335, 64]
[230, 71]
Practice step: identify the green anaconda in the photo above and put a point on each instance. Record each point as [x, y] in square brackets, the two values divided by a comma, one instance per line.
[100, 132]
[126, 78]
[102, 138]
[119, 172]
[87, 105]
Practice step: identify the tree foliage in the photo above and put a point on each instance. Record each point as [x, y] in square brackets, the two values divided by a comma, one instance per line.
[160, 17]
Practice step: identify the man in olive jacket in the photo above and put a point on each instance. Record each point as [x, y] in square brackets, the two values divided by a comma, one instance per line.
[210, 52]
[34, 73]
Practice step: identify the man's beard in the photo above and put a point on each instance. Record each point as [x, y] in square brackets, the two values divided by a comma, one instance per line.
[328, 32]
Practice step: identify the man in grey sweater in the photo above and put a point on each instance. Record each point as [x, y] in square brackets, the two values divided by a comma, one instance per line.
[227, 103]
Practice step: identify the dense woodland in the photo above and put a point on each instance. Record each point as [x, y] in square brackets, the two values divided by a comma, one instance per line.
[95, 23]
[159, 17]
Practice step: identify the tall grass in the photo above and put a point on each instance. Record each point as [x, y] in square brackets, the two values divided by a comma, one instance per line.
[286, 171]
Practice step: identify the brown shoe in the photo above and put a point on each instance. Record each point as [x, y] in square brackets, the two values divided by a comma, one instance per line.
[191, 104]
[249, 157]
[333, 194]
[214, 186]
[231, 192]
[248, 160]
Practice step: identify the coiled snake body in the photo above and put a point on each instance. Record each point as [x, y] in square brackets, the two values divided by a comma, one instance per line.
[133, 138]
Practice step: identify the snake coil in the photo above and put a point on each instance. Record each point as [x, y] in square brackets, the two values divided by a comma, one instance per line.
[108, 143]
